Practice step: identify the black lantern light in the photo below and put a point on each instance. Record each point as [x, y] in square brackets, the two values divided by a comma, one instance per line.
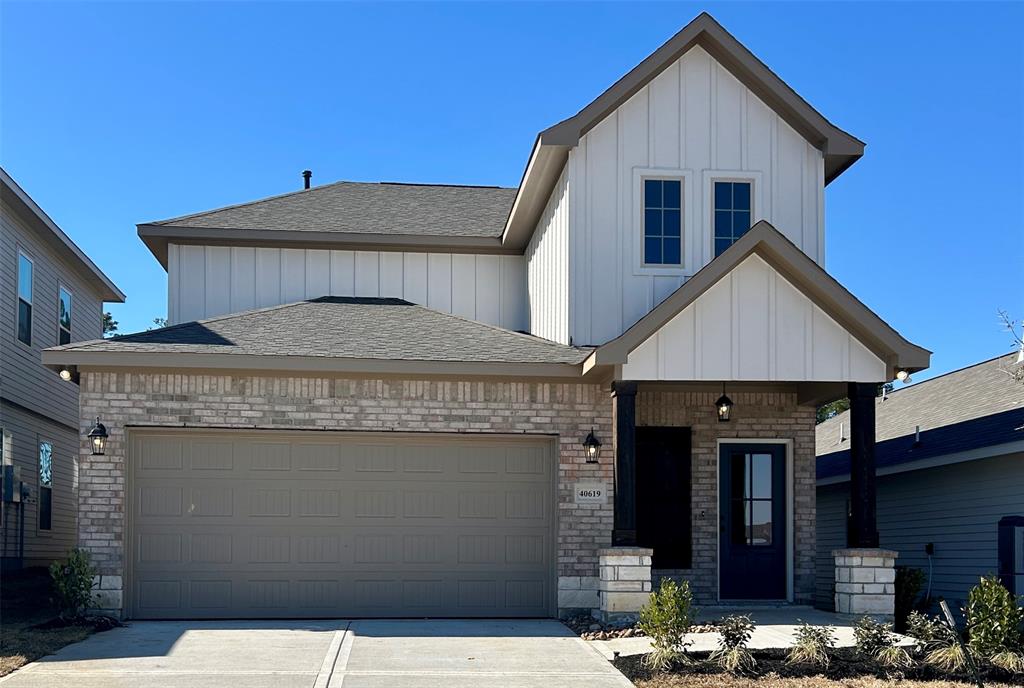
[723, 407]
[592, 447]
[98, 437]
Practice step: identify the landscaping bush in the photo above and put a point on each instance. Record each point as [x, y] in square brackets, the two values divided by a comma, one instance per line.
[994, 620]
[909, 582]
[929, 632]
[732, 653]
[667, 618]
[812, 645]
[72, 584]
[875, 640]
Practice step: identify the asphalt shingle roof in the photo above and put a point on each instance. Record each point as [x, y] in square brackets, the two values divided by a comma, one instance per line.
[978, 406]
[369, 208]
[344, 327]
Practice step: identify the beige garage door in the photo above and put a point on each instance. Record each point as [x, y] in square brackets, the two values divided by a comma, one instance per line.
[320, 524]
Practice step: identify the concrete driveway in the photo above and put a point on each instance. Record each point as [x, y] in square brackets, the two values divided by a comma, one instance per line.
[325, 654]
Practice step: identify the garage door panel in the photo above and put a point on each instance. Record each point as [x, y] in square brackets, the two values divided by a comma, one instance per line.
[253, 525]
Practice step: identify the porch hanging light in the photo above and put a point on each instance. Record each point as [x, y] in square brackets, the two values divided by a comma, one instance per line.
[592, 447]
[98, 437]
[723, 407]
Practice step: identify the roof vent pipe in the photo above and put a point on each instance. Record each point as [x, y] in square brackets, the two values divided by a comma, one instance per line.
[842, 433]
[306, 176]
[917, 435]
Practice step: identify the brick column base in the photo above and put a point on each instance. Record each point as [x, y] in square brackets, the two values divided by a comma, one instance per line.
[625, 581]
[865, 582]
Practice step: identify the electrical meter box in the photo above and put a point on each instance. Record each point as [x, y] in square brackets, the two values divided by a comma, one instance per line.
[1011, 553]
[12, 484]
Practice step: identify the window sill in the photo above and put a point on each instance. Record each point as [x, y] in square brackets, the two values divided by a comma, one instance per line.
[667, 270]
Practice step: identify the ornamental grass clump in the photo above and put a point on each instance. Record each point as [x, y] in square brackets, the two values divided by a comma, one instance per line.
[994, 625]
[732, 653]
[812, 645]
[667, 618]
[875, 640]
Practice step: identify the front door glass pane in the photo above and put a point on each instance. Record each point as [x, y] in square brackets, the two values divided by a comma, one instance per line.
[750, 498]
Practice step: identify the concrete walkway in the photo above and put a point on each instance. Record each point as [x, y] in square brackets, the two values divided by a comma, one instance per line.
[775, 629]
[325, 654]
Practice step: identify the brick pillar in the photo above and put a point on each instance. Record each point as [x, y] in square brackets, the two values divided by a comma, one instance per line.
[865, 582]
[625, 581]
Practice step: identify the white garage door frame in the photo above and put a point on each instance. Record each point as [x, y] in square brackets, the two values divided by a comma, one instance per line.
[132, 433]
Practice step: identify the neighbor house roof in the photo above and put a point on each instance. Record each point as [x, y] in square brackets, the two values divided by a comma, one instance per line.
[958, 413]
[551, 147]
[434, 216]
[796, 266]
[55, 237]
[332, 334]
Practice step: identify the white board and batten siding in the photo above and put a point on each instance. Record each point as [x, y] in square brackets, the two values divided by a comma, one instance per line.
[753, 324]
[547, 268]
[698, 122]
[209, 281]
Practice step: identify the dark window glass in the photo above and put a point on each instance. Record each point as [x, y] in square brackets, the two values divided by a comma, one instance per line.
[25, 322]
[760, 529]
[750, 493]
[732, 213]
[761, 476]
[64, 319]
[663, 227]
[45, 508]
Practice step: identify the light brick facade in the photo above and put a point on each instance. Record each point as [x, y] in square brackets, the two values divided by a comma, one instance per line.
[565, 410]
[755, 415]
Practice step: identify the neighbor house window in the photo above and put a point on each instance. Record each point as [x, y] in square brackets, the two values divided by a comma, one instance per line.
[45, 485]
[662, 221]
[64, 322]
[24, 299]
[732, 213]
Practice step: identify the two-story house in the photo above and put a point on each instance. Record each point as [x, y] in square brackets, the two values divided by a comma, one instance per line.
[432, 400]
[50, 294]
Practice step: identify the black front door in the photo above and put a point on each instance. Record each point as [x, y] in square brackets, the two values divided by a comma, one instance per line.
[663, 495]
[752, 539]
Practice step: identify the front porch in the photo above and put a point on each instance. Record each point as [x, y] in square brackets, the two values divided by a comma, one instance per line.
[775, 630]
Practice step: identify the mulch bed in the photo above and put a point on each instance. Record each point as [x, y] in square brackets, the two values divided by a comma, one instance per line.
[847, 668]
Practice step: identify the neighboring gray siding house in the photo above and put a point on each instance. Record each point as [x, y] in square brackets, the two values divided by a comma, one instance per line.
[386, 399]
[949, 487]
[50, 293]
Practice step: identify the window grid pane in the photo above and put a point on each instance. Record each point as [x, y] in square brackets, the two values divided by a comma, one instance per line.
[732, 213]
[662, 222]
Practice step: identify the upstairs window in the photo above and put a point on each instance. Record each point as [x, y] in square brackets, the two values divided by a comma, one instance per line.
[24, 299]
[64, 321]
[732, 213]
[663, 222]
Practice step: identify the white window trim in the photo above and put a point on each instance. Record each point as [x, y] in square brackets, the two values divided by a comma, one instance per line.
[688, 220]
[753, 177]
[31, 299]
[65, 288]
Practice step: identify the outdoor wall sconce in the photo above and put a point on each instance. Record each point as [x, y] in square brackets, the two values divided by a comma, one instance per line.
[592, 447]
[723, 407]
[65, 375]
[98, 437]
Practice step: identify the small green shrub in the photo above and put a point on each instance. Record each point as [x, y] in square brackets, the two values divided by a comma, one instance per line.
[812, 645]
[666, 618]
[994, 619]
[928, 631]
[72, 584]
[909, 582]
[870, 636]
[732, 653]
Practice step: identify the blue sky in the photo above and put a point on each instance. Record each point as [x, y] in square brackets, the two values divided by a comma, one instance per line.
[121, 113]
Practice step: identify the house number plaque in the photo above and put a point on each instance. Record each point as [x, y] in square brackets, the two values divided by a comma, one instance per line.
[590, 493]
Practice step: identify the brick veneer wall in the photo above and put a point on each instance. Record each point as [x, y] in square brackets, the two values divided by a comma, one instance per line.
[755, 415]
[287, 403]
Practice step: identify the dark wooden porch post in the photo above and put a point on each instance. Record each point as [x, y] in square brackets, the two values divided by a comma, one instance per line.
[863, 528]
[624, 399]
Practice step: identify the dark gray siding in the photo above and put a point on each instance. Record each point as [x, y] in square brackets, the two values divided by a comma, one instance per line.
[956, 507]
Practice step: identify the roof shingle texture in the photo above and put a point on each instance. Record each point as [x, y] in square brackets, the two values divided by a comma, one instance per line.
[345, 327]
[974, 407]
[369, 208]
